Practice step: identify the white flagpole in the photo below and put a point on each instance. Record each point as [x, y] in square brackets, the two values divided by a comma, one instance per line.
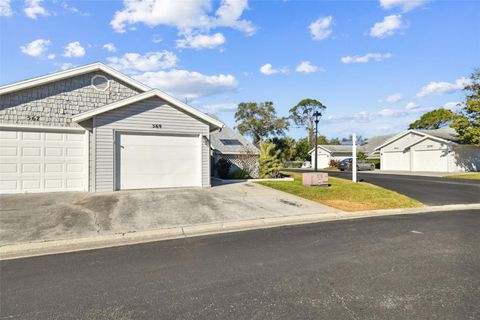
[354, 157]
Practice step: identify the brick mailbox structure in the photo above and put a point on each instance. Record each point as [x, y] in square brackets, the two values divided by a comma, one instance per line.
[312, 179]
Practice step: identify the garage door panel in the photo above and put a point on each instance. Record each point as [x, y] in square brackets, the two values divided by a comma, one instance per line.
[33, 161]
[430, 160]
[158, 161]
[399, 161]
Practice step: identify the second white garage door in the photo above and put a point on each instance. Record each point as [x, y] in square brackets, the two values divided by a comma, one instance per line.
[158, 161]
[399, 161]
[430, 160]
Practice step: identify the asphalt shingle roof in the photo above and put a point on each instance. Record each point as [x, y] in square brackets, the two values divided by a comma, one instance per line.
[228, 141]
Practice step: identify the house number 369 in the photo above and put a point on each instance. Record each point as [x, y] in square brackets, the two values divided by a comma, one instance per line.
[156, 126]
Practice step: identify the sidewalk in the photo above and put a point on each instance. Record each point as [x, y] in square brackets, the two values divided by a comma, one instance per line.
[97, 242]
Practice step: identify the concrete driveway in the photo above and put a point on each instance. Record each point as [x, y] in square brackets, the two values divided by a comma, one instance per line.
[56, 216]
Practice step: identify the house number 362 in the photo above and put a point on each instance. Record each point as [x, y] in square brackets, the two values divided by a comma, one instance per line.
[156, 126]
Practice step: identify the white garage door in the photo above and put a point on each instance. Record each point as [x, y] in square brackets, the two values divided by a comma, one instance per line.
[35, 161]
[430, 160]
[323, 161]
[399, 161]
[158, 161]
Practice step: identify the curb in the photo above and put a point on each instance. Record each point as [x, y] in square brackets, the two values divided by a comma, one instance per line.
[33, 249]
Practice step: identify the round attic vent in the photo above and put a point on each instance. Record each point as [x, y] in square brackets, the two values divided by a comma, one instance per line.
[100, 83]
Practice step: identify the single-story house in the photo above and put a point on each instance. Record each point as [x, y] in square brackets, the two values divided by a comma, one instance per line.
[232, 146]
[94, 129]
[329, 152]
[428, 150]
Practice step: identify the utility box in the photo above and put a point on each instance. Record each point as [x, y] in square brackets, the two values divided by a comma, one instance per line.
[311, 179]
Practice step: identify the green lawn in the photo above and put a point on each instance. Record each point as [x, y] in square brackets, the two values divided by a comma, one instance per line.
[345, 195]
[466, 176]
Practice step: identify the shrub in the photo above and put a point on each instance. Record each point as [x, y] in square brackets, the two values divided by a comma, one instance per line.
[223, 168]
[239, 174]
[268, 161]
[334, 163]
[376, 162]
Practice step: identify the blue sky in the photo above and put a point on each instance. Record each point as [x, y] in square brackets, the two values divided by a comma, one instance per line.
[376, 65]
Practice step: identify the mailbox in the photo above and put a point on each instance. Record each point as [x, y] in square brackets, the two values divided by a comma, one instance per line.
[315, 179]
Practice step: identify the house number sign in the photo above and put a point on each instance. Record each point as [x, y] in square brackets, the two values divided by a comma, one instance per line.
[156, 126]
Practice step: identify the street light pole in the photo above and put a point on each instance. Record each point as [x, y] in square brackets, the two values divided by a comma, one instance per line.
[317, 116]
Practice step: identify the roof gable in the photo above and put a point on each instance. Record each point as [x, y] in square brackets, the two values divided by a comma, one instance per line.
[439, 135]
[57, 76]
[214, 123]
[224, 141]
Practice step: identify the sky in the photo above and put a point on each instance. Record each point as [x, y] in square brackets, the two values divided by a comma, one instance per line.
[376, 65]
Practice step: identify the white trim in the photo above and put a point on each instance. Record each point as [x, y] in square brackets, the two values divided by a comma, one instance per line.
[427, 137]
[323, 148]
[40, 128]
[71, 73]
[146, 95]
[87, 160]
[400, 135]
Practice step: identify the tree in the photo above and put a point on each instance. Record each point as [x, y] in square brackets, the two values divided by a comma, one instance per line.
[302, 114]
[361, 155]
[433, 120]
[286, 146]
[301, 150]
[336, 141]
[467, 123]
[322, 140]
[348, 141]
[268, 161]
[259, 121]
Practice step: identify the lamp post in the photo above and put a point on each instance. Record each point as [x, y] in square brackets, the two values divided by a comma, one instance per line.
[317, 116]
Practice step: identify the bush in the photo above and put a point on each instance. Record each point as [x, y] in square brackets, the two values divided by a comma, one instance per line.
[293, 164]
[239, 174]
[334, 163]
[376, 162]
[223, 168]
[268, 161]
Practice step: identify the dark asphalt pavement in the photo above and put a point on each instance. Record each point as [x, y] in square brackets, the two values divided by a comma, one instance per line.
[431, 191]
[397, 267]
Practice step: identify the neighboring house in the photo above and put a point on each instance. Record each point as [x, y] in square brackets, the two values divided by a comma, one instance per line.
[232, 146]
[94, 129]
[370, 144]
[329, 152]
[428, 150]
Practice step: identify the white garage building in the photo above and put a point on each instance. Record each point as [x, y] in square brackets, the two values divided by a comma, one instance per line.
[428, 151]
[94, 129]
[329, 152]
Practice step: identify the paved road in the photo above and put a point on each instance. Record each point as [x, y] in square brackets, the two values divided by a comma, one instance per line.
[397, 267]
[429, 190]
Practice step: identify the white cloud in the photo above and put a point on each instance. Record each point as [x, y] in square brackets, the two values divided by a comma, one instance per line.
[110, 47]
[73, 9]
[306, 67]
[188, 84]
[156, 38]
[5, 8]
[366, 58]
[321, 28]
[36, 48]
[454, 105]
[184, 15]
[405, 5]
[74, 50]
[268, 69]
[387, 27]
[66, 66]
[393, 98]
[151, 61]
[201, 41]
[220, 107]
[368, 116]
[441, 88]
[33, 9]
[412, 106]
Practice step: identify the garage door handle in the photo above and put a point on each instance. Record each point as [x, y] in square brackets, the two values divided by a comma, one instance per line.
[122, 147]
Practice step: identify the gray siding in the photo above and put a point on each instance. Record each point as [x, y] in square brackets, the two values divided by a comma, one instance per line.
[55, 103]
[139, 117]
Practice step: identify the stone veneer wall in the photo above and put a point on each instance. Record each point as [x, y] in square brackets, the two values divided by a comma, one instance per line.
[55, 103]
